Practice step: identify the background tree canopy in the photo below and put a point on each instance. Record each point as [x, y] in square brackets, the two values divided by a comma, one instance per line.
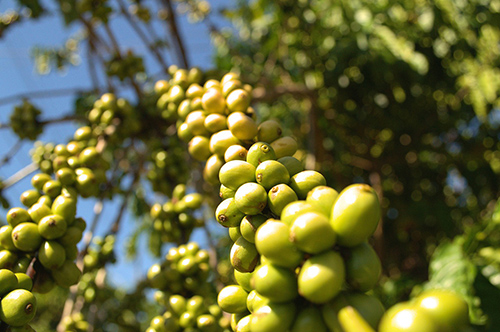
[402, 95]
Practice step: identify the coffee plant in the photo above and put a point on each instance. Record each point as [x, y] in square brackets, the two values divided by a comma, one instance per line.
[333, 169]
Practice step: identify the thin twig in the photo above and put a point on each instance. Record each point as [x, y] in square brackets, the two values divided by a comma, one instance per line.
[19, 175]
[98, 207]
[92, 69]
[64, 118]
[172, 22]
[11, 153]
[116, 225]
[143, 36]
[40, 94]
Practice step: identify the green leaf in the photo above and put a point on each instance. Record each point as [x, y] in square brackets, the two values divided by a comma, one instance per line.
[489, 295]
[451, 269]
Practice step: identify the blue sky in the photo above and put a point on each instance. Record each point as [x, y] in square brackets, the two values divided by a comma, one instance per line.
[19, 77]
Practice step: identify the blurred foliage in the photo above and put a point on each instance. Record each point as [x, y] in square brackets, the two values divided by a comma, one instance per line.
[399, 94]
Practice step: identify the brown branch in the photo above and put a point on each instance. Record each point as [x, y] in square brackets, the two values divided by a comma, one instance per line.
[19, 175]
[93, 36]
[11, 153]
[98, 207]
[143, 36]
[92, 69]
[64, 118]
[116, 48]
[40, 94]
[172, 22]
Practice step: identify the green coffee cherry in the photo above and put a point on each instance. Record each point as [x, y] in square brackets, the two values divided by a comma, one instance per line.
[272, 241]
[8, 259]
[251, 198]
[232, 299]
[235, 152]
[270, 173]
[24, 281]
[321, 277]
[177, 304]
[26, 237]
[221, 141]
[52, 227]
[242, 126]
[212, 169]
[18, 307]
[215, 122]
[225, 192]
[244, 256]
[363, 267]
[243, 279]
[294, 209]
[323, 197]
[17, 215]
[284, 146]
[260, 152]
[228, 214]
[368, 306]
[6, 238]
[39, 210]
[234, 233]
[269, 131]
[52, 255]
[309, 320]
[238, 100]
[67, 275]
[235, 173]
[72, 235]
[29, 197]
[292, 164]
[312, 233]
[213, 101]
[276, 283]
[273, 317]
[199, 148]
[249, 225]
[355, 214]
[255, 301]
[352, 321]
[279, 197]
[38, 180]
[8, 282]
[305, 181]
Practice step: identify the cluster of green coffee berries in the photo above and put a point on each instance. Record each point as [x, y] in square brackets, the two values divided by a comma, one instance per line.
[125, 66]
[25, 121]
[113, 118]
[164, 170]
[87, 286]
[185, 271]
[47, 230]
[291, 269]
[189, 315]
[75, 323]
[78, 166]
[100, 253]
[42, 155]
[175, 219]
[17, 305]
[172, 93]
[216, 116]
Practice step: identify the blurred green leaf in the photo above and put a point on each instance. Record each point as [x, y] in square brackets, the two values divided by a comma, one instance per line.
[451, 269]
[489, 295]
